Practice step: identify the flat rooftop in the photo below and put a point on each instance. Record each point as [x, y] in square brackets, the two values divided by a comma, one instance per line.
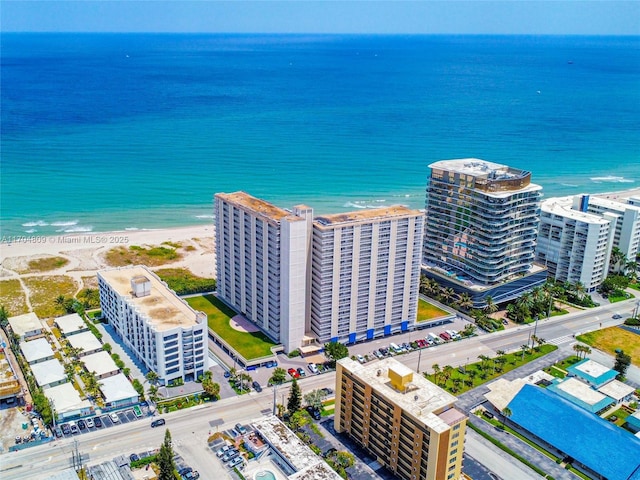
[99, 363]
[603, 447]
[36, 349]
[22, 324]
[87, 341]
[421, 398]
[592, 371]
[117, 388]
[616, 390]
[562, 206]
[70, 324]
[366, 215]
[48, 372]
[502, 391]
[581, 391]
[163, 308]
[66, 398]
[254, 205]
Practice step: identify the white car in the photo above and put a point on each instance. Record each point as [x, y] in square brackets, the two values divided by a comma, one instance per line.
[222, 451]
[114, 417]
[360, 358]
[89, 423]
[313, 368]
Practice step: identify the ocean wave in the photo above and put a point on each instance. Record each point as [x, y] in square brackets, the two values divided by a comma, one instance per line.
[611, 178]
[78, 229]
[569, 185]
[69, 223]
[205, 216]
[131, 229]
[353, 205]
[39, 223]
[31, 230]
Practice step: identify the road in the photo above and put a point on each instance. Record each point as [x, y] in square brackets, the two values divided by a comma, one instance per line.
[190, 428]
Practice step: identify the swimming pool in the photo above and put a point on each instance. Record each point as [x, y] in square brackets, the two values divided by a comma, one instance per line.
[264, 475]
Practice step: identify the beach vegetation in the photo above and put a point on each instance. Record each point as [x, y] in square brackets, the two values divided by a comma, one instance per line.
[44, 264]
[13, 297]
[183, 282]
[44, 292]
[428, 311]
[137, 255]
[611, 339]
[89, 297]
[248, 344]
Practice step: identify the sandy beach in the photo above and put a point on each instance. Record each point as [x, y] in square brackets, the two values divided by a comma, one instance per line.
[85, 252]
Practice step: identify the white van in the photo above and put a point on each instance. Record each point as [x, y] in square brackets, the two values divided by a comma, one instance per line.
[435, 339]
[395, 348]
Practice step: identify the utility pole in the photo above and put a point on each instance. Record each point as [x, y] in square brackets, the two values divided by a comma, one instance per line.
[275, 388]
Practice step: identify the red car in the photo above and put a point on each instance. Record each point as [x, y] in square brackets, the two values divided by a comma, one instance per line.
[294, 373]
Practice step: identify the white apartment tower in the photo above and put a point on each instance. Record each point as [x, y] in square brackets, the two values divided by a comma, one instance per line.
[366, 273]
[160, 328]
[482, 220]
[262, 256]
[574, 245]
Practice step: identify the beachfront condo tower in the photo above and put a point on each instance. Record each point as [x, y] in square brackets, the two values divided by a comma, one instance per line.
[262, 257]
[365, 273]
[306, 280]
[408, 423]
[480, 230]
[574, 245]
[160, 328]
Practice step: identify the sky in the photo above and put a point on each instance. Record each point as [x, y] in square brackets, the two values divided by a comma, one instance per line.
[555, 17]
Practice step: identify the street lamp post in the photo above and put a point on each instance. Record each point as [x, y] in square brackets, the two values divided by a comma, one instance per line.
[419, 358]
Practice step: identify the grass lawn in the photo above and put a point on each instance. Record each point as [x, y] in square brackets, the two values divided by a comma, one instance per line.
[12, 297]
[622, 415]
[459, 381]
[427, 311]
[609, 339]
[44, 291]
[45, 264]
[135, 255]
[620, 298]
[556, 372]
[635, 286]
[183, 282]
[249, 345]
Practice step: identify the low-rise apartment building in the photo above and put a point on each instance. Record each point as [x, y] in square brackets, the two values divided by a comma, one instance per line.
[160, 328]
[407, 422]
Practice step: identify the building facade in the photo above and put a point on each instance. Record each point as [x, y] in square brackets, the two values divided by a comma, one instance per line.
[407, 422]
[160, 328]
[262, 255]
[575, 246]
[365, 273]
[480, 229]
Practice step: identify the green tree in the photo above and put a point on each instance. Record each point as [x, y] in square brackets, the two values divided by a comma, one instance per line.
[295, 398]
[107, 347]
[278, 377]
[165, 459]
[465, 301]
[506, 412]
[151, 376]
[622, 364]
[490, 307]
[335, 351]
[209, 386]
[314, 398]
[4, 316]
[436, 373]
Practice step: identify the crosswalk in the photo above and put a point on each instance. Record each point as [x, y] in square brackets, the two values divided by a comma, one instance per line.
[561, 340]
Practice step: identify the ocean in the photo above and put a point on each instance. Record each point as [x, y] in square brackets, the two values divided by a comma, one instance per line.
[106, 132]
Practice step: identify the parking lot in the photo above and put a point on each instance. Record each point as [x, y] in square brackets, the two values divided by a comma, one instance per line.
[99, 422]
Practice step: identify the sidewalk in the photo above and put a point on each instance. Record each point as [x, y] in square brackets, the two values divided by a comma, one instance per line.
[136, 368]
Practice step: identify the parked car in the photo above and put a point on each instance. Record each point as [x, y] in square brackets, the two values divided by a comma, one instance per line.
[327, 391]
[65, 429]
[314, 412]
[97, 422]
[505, 322]
[90, 423]
[222, 450]
[18, 439]
[271, 364]
[256, 386]
[312, 368]
[293, 372]
[82, 425]
[230, 455]
[378, 354]
[158, 422]
[235, 462]
[114, 417]
[445, 336]
[301, 372]
[360, 358]
[58, 432]
[134, 457]
[240, 429]
[74, 428]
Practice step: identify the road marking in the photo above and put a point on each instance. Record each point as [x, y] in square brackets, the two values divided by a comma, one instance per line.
[560, 340]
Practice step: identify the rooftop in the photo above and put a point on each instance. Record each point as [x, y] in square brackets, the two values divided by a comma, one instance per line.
[87, 341]
[22, 324]
[562, 206]
[36, 350]
[421, 398]
[117, 388]
[366, 215]
[48, 372]
[580, 394]
[164, 309]
[70, 324]
[605, 448]
[99, 363]
[616, 390]
[592, 371]
[66, 398]
[502, 391]
[255, 205]
[318, 471]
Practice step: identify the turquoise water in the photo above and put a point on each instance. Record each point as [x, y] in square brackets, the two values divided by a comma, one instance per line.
[105, 132]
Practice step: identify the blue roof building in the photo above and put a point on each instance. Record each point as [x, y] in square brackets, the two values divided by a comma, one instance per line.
[591, 372]
[592, 442]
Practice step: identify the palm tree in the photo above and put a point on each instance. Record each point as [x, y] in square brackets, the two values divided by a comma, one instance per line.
[490, 306]
[436, 372]
[534, 340]
[524, 349]
[617, 260]
[152, 377]
[541, 341]
[586, 350]
[447, 371]
[447, 294]
[464, 301]
[506, 412]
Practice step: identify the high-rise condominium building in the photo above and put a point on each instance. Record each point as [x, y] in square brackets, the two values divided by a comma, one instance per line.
[407, 422]
[575, 246]
[160, 328]
[366, 273]
[342, 277]
[262, 254]
[481, 226]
